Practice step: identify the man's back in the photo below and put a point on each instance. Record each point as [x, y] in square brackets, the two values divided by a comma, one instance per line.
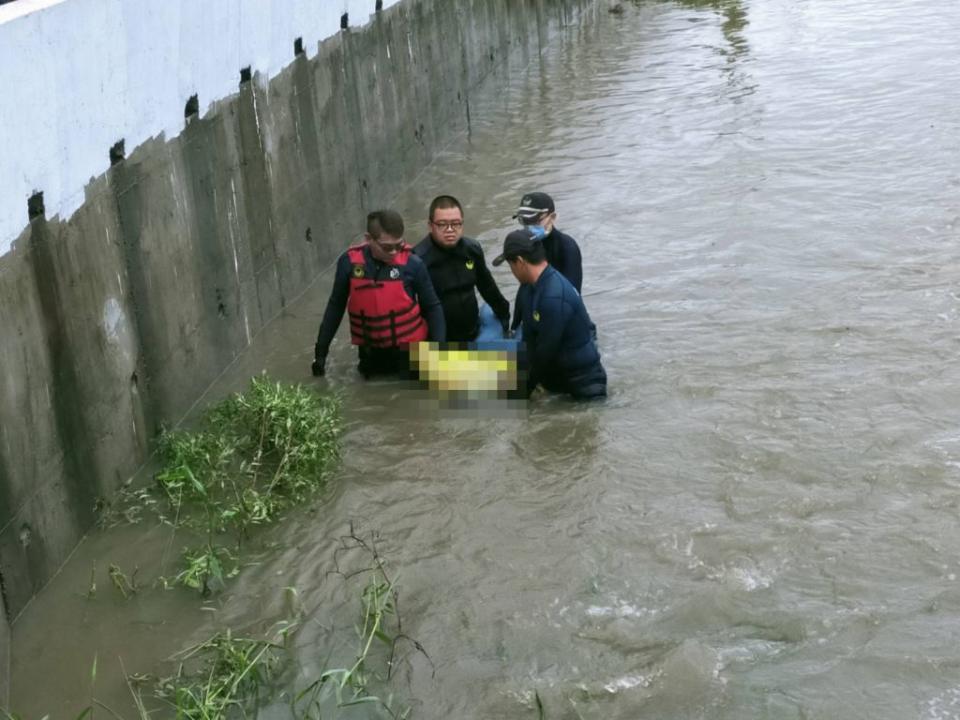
[564, 255]
[559, 335]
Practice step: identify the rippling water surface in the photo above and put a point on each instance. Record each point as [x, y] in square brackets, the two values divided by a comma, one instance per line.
[762, 520]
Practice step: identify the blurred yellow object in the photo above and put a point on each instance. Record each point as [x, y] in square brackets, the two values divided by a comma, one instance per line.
[470, 371]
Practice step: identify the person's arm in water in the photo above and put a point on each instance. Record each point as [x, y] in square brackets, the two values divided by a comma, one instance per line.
[430, 306]
[489, 290]
[332, 316]
[518, 309]
[572, 268]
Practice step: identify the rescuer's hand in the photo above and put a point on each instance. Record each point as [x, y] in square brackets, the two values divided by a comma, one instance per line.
[318, 367]
[507, 332]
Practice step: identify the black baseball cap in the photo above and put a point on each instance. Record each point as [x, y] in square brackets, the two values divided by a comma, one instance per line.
[519, 242]
[533, 205]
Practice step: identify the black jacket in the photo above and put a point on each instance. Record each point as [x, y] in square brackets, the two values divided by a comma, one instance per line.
[456, 274]
[563, 254]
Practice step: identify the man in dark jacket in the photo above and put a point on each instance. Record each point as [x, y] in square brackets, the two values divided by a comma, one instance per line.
[458, 270]
[558, 334]
[538, 213]
[389, 296]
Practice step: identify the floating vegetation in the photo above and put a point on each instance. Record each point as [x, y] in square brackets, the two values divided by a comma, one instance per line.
[207, 567]
[253, 457]
[125, 584]
[256, 454]
[380, 625]
[230, 675]
[127, 507]
[92, 585]
[236, 675]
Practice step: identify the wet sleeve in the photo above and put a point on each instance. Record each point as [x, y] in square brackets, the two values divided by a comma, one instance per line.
[336, 306]
[518, 308]
[430, 305]
[488, 288]
[573, 264]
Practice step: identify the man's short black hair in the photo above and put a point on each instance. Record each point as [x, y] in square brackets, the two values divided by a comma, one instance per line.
[444, 202]
[536, 255]
[384, 221]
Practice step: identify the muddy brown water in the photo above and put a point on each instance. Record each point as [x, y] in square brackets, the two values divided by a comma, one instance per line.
[762, 519]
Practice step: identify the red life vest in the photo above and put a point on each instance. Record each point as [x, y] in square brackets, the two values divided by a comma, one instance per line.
[382, 315]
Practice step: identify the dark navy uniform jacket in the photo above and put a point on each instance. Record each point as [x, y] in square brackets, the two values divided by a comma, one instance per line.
[457, 273]
[563, 254]
[561, 351]
[416, 283]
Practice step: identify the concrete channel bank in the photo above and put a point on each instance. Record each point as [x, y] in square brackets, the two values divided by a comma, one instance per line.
[118, 314]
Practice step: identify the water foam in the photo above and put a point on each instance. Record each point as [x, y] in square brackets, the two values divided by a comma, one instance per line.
[945, 706]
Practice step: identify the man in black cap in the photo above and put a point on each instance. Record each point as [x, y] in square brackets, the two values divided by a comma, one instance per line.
[561, 349]
[458, 270]
[538, 213]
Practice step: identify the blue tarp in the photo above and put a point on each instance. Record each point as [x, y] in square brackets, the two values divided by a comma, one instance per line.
[491, 333]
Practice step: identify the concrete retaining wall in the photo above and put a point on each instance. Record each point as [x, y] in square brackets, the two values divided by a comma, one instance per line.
[79, 75]
[119, 315]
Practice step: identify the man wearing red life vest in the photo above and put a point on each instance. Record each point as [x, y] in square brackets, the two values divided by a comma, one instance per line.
[387, 292]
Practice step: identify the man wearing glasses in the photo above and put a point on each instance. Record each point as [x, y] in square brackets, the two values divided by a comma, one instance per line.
[458, 270]
[391, 302]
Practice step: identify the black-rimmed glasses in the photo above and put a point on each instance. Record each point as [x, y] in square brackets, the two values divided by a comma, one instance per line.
[444, 226]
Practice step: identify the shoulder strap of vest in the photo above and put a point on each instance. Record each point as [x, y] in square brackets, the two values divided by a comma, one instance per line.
[403, 255]
[355, 253]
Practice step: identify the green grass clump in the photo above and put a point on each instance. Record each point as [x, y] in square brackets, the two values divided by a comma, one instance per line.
[227, 677]
[254, 456]
[205, 566]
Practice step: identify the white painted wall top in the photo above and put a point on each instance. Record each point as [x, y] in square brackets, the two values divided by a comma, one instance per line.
[79, 75]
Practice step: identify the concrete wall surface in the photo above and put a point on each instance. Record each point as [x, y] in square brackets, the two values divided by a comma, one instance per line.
[123, 300]
[79, 75]
[4, 658]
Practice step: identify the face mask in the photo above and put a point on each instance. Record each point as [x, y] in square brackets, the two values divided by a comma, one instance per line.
[539, 232]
